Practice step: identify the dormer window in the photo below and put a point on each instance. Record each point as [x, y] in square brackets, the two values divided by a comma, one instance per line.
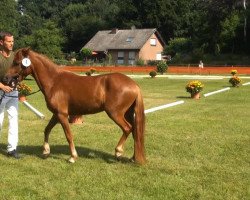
[129, 39]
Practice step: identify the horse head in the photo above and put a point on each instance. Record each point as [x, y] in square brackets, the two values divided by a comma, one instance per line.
[21, 63]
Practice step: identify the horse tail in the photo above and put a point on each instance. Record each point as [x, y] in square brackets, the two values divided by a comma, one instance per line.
[138, 130]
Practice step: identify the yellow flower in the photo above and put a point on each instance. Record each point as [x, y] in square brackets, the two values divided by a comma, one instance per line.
[234, 71]
[23, 89]
[194, 87]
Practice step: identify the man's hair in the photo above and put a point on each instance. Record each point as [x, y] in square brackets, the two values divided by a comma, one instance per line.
[3, 34]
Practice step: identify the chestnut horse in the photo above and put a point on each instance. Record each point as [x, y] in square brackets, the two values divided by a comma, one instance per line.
[67, 94]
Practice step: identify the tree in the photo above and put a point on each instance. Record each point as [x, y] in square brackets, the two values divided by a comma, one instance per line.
[47, 40]
[86, 53]
[78, 26]
[9, 16]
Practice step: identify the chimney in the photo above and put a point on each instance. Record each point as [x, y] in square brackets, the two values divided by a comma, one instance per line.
[133, 27]
[114, 31]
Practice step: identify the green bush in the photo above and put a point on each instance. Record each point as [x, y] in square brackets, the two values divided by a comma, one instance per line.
[152, 74]
[162, 67]
[140, 62]
[152, 62]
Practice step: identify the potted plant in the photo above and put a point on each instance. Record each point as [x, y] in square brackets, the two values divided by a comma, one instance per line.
[235, 81]
[194, 88]
[233, 72]
[23, 91]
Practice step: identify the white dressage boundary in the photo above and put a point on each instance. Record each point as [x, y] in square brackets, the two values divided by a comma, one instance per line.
[33, 109]
[248, 83]
[217, 91]
[197, 77]
[163, 106]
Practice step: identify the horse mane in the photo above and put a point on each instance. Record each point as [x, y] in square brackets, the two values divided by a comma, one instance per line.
[44, 59]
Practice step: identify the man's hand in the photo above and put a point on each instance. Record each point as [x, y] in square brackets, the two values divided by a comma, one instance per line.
[5, 88]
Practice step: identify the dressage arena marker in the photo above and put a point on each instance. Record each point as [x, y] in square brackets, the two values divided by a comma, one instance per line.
[217, 91]
[163, 106]
[248, 83]
[33, 109]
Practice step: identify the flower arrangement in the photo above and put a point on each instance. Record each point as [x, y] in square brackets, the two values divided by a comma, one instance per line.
[194, 87]
[90, 72]
[23, 89]
[233, 72]
[235, 81]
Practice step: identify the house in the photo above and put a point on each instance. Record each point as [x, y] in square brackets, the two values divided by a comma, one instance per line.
[127, 46]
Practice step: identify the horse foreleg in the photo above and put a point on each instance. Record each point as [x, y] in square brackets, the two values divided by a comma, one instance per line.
[65, 125]
[46, 149]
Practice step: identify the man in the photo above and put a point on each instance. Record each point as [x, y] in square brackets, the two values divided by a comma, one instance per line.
[8, 94]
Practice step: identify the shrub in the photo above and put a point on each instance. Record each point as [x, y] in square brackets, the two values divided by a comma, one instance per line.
[140, 62]
[152, 62]
[162, 67]
[152, 74]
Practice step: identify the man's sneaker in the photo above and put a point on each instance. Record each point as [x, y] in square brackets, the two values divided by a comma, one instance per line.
[13, 154]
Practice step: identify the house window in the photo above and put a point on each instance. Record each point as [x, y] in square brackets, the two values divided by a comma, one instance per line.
[120, 57]
[131, 58]
[129, 39]
[153, 41]
[158, 56]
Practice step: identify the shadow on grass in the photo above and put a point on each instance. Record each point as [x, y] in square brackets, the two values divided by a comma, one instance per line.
[57, 150]
[183, 97]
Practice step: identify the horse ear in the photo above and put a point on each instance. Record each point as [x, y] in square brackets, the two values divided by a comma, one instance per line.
[26, 51]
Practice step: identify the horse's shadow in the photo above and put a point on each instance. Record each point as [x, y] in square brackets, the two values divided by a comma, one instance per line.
[57, 150]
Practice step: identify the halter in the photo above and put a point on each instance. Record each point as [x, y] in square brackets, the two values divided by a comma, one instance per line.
[25, 63]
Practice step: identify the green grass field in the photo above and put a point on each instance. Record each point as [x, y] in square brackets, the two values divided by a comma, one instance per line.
[196, 150]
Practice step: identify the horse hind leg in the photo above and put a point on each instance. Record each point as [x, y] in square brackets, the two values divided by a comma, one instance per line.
[124, 121]
[46, 149]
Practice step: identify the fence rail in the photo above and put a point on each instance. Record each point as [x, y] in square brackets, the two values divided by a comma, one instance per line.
[171, 69]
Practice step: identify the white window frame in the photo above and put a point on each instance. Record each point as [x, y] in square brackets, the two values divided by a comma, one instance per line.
[153, 41]
[120, 57]
[158, 56]
[131, 57]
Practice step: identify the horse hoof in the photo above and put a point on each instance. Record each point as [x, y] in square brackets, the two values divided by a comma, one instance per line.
[45, 156]
[72, 160]
[132, 159]
[119, 158]
[118, 152]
